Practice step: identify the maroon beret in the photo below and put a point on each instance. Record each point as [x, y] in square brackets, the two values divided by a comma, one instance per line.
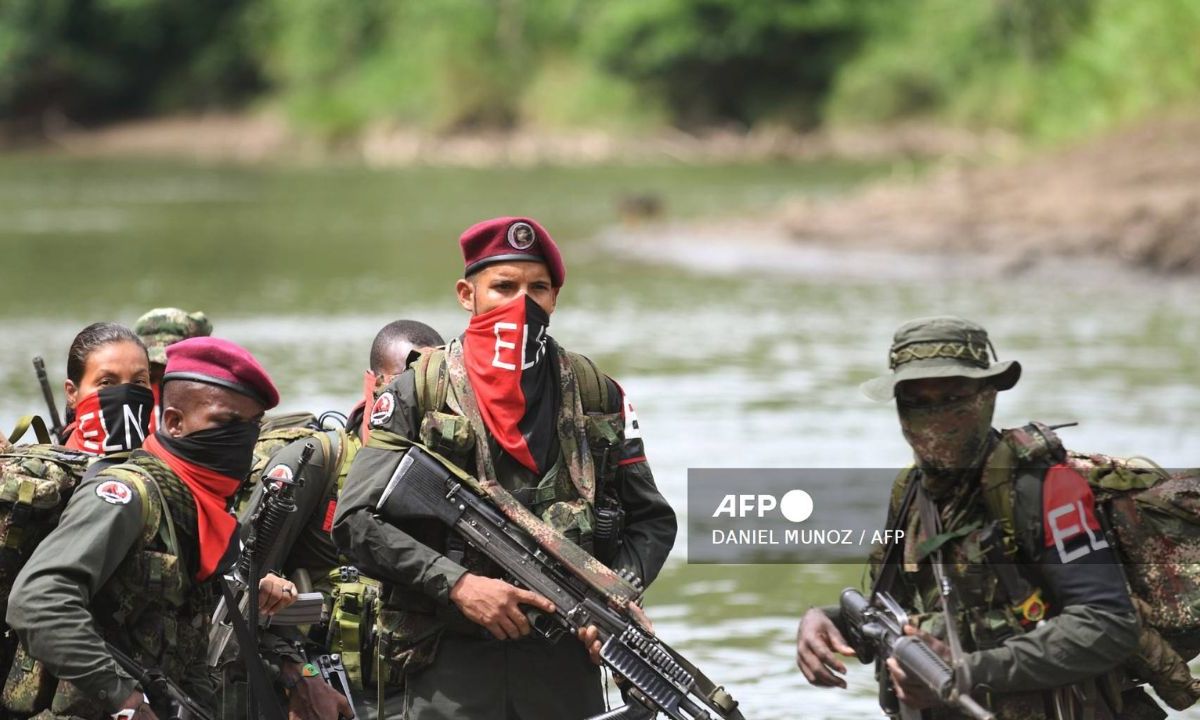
[511, 238]
[220, 362]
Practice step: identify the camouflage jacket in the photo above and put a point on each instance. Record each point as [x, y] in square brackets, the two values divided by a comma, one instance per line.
[414, 565]
[118, 568]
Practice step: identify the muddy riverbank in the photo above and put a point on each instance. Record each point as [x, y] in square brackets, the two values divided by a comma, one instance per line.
[1132, 197]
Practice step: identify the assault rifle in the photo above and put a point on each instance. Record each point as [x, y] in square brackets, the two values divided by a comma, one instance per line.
[877, 631]
[168, 700]
[660, 679]
[237, 610]
[276, 503]
[56, 425]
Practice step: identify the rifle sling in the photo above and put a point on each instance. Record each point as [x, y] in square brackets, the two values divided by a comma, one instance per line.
[887, 574]
[256, 675]
[931, 522]
[146, 679]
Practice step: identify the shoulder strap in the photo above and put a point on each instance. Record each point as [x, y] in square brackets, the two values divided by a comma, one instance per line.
[1018, 449]
[154, 509]
[431, 379]
[896, 519]
[593, 385]
[30, 421]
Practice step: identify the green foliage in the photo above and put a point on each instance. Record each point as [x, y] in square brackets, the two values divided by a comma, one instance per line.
[97, 59]
[450, 65]
[717, 61]
[1051, 69]
[1133, 59]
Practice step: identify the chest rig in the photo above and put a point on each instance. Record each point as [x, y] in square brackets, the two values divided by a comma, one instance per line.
[985, 532]
[587, 434]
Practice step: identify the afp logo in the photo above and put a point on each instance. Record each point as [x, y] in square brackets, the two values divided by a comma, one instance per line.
[795, 505]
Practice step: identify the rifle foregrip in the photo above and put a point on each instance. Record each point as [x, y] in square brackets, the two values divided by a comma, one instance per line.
[919, 660]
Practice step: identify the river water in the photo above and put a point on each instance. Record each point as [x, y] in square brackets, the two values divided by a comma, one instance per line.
[738, 351]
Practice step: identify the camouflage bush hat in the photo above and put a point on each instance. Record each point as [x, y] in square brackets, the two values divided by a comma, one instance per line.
[165, 326]
[938, 347]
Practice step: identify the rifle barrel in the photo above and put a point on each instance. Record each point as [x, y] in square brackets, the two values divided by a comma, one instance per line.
[39, 366]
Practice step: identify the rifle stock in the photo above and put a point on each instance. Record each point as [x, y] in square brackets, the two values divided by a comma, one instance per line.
[660, 678]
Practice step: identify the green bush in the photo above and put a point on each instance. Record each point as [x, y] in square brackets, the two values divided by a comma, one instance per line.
[721, 61]
[1053, 70]
[93, 60]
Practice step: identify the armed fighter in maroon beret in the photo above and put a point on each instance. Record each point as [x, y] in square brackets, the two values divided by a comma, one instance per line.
[130, 569]
[546, 429]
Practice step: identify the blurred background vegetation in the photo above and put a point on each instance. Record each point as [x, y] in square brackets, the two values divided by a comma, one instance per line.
[1047, 69]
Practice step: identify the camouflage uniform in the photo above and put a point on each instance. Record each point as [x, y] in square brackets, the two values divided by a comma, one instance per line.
[118, 568]
[161, 327]
[1016, 661]
[449, 666]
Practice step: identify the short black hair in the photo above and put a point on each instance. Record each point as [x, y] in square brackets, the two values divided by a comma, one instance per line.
[92, 338]
[412, 331]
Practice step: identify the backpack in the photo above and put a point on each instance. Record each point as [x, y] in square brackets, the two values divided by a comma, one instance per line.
[36, 481]
[1151, 518]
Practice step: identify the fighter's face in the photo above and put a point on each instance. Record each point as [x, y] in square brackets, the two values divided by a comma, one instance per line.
[498, 284]
[931, 392]
[202, 407]
[114, 363]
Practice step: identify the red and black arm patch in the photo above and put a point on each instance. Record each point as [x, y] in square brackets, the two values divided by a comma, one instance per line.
[632, 450]
[1077, 564]
[1069, 523]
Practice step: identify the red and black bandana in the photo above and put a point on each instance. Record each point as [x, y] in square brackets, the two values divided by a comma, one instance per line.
[212, 490]
[115, 418]
[513, 371]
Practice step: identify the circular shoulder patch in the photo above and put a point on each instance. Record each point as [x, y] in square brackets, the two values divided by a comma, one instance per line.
[280, 473]
[382, 410]
[114, 492]
[521, 235]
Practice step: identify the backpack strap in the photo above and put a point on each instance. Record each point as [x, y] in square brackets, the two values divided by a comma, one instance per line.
[30, 421]
[156, 518]
[1019, 450]
[432, 379]
[593, 385]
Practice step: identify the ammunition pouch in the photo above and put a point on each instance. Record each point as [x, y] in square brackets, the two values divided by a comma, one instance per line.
[449, 435]
[574, 519]
[352, 624]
